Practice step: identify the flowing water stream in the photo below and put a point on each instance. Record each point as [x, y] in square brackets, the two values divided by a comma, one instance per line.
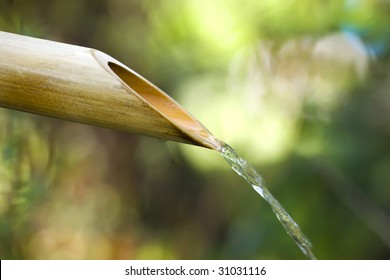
[245, 170]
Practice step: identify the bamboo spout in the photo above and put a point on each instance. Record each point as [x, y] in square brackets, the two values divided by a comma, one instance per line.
[85, 85]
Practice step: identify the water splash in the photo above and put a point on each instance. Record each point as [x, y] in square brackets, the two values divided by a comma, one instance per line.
[245, 170]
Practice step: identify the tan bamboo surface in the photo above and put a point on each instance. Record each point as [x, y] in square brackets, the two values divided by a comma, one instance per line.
[88, 86]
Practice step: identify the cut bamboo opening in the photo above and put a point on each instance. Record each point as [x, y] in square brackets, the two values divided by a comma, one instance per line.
[88, 86]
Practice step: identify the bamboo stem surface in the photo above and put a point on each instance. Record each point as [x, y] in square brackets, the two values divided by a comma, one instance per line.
[85, 85]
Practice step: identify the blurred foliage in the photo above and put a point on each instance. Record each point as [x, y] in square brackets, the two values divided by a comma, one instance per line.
[300, 88]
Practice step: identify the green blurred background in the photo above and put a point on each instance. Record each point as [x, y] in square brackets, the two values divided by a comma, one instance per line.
[300, 89]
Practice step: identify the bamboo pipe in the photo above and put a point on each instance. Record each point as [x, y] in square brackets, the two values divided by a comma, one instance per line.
[85, 85]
